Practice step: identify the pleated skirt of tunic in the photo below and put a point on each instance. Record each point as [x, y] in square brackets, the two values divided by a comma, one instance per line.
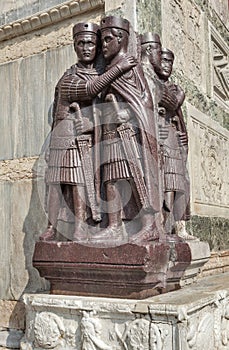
[65, 167]
[174, 170]
[116, 164]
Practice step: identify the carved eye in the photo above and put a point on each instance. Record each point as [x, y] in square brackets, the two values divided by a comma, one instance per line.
[107, 39]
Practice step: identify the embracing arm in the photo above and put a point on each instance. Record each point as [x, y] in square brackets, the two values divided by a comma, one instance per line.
[75, 89]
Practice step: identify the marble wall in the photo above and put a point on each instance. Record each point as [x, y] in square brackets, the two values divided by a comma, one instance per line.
[35, 50]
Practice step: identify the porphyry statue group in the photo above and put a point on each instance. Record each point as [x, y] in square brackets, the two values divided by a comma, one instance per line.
[118, 148]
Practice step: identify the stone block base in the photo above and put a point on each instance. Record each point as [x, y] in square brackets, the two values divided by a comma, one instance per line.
[127, 271]
[195, 317]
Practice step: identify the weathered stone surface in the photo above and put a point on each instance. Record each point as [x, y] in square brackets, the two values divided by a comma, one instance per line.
[183, 22]
[29, 223]
[220, 68]
[9, 101]
[34, 20]
[12, 314]
[217, 264]
[222, 10]
[15, 9]
[17, 169]
[5, 219]
[197, 315]
[133, 271]
[57, 62]
[11, 339]
[30, 120]
[200, 253]
[22, 220]
[208, 156]
[213, 230]
[149, 16]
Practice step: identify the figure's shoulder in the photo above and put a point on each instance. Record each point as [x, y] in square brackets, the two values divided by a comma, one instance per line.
[70, 71]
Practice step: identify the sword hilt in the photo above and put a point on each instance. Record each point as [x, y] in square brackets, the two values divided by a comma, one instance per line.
[111, 98]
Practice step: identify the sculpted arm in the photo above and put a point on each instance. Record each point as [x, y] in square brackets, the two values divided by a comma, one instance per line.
[75, 89]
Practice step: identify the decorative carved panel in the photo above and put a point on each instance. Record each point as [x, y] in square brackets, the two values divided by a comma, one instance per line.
[208, 156]
[220, 64]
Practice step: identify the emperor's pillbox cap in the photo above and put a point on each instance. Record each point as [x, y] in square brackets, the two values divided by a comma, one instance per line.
[85, 27]
[115, 22]
[150, 38]
[167, 52]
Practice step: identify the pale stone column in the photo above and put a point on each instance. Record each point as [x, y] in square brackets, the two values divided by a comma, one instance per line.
[126, 9]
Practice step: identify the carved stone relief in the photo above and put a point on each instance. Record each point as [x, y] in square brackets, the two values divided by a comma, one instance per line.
[220, 63]
[209, 164]
[91, 333]
[225, 328]
[200, 332]
[141, 334]
[48, 330]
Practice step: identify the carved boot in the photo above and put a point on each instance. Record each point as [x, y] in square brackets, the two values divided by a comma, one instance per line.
[49, 234]
[150, 231]
[180, 230]
[81, 232]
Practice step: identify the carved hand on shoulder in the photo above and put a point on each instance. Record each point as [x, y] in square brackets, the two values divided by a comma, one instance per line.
[126, 63]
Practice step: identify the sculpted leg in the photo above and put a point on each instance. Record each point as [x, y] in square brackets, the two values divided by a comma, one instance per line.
[113, 206]
[114, 229]
[79, 203]
[168, 211]
[54, 200]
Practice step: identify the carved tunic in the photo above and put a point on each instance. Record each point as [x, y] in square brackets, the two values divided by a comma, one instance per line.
[131, 88]
[65, 166]
[173, 162]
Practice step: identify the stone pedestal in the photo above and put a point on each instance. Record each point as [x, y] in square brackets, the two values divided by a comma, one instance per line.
[127, 271]
[200, 254]
[195, 317]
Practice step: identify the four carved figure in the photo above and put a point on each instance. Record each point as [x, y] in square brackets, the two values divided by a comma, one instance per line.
[118, 148]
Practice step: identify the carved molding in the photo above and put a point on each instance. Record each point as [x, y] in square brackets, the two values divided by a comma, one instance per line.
[45, 18]
[220, 66]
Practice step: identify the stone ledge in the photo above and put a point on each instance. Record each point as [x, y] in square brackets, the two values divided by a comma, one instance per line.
[45, 18]
[218, 263]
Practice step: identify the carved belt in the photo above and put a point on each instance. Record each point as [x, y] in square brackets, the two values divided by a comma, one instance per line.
[67, 142]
